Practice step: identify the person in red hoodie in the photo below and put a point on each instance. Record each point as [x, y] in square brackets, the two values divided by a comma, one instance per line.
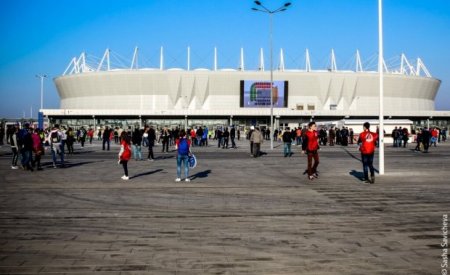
[310, 146]
[367, 141]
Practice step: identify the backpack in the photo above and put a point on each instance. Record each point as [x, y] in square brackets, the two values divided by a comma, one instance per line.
[183, 147]
[54, 137]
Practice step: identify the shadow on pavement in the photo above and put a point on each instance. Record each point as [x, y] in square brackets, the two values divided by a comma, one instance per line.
[146, 173]
[351, 155]
[203, 174]
[357, 174]
[67, 164]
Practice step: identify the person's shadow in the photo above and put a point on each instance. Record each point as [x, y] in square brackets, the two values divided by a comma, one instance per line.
[146, 173]
[203, 174]
[357, 174]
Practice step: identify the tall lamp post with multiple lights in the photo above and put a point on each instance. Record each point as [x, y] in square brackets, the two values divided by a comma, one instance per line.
[42, 76]
[40, 116]
[380, 70]
[262, 8]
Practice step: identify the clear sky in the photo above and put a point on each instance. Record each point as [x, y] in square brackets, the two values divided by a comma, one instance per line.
[43, 36]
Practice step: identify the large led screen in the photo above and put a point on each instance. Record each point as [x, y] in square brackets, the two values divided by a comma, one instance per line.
[256, 94]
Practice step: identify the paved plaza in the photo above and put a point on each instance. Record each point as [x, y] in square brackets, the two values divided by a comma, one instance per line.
[238, 215]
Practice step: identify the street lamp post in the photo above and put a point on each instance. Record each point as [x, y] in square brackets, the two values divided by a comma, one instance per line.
[271, 13]
[40, 114]
[380, 70]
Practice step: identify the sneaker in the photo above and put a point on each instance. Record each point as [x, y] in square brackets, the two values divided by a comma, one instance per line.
[125, 177]
[372, 179]
[150, 160]
[316, 175]
[367, 181]
[14, 167]
[54, 166]
[187, 180]
[177, 179]
[310, 177]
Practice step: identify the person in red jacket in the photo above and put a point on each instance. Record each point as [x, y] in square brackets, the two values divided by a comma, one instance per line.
[310, 146]
[367, 141]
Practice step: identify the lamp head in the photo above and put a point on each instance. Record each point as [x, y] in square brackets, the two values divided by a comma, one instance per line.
[258, 3]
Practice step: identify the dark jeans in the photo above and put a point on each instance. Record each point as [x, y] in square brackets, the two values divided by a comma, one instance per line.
[225, 143]
[256, 149]
[367, 160]
[15, 156]
[125, 166]
[313, 168]
[182, 159]
[287, 149]
[165, 146]
[150, 152]
[26, 158]
[105, 141]
[233, 144]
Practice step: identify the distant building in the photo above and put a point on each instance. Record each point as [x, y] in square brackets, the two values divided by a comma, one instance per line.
[100, 94]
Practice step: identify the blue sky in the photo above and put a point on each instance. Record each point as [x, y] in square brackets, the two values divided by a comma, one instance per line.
[43, 36]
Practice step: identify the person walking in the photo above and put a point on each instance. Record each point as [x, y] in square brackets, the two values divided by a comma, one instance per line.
[252, 128]
[90, 135]
[182, 145]
[151, 142]
[26, 142]
[106, 137]
[165, 135]
[310, 146]
[38, 149]
[125, 153]
[136, 140]
[287, 140]
[82, 136]
[55, 141]
[257, 139]
[225, 136]
[426, 136]
[366, 142]
[70, 140]
[14, 147]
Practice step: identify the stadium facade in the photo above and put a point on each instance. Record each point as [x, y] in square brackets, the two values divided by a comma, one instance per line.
[98, 93]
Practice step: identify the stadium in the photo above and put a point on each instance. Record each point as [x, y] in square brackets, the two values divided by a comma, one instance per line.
[99, 92]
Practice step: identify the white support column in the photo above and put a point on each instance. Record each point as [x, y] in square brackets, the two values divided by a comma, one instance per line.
[188, 58]
[261, 60]
[134, 61]
[215, 58]
[103, 59]
[241, 65]
[83, 62]
[108, 61]
[421, 65]
[333, 61]
[72, 63]
[308, 62]
[402, 65]
[358, 62]
[161, 59]
[281, 67]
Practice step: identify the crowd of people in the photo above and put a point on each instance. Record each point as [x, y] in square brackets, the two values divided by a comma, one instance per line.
[28, 144]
